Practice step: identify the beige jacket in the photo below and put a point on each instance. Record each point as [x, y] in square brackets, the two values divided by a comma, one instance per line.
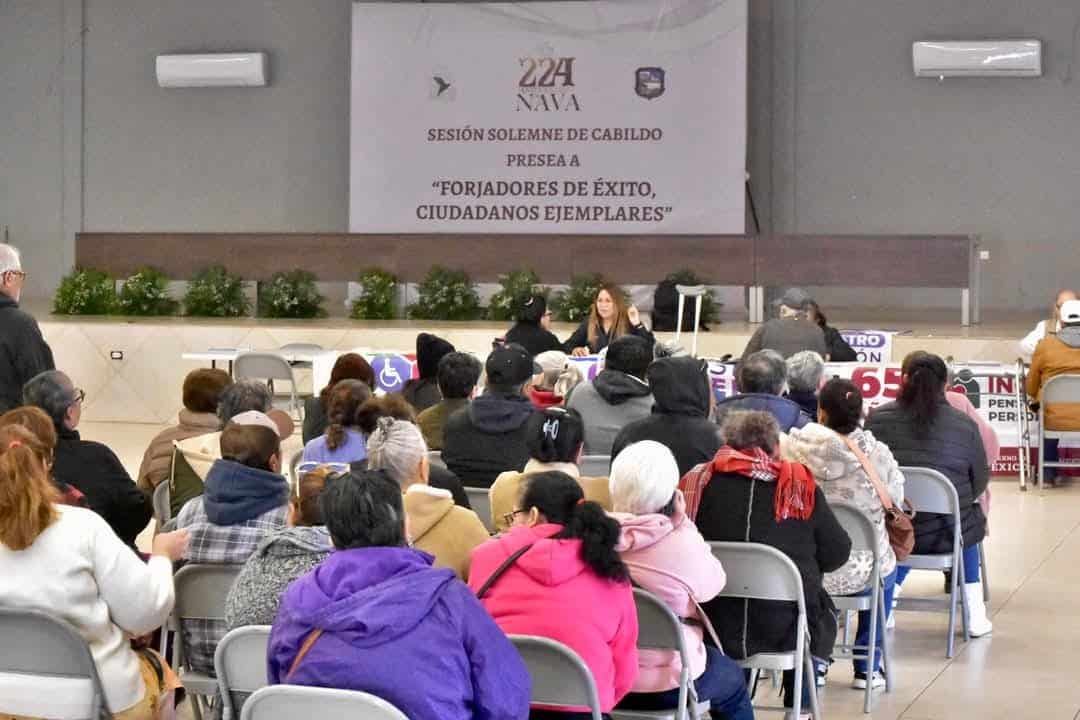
[437, 526]
[158, 456]
[506, 490]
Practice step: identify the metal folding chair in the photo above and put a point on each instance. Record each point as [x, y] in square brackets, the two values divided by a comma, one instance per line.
[270, 367]
[435, 458]
[480, 502]
[595, 465]
[559, 676]
[162, 504]
[290, 349]
[931, 492]
[46, 669]
[863, 536]
[761, 572]
[1058, 389]
[1023, 427]
[287, 702]
[240, 666]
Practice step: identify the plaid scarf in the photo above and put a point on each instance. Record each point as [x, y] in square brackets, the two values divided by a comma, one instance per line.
[794, 483]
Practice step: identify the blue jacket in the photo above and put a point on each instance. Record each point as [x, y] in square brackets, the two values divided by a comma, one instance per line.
[788, 414]
[402, 630]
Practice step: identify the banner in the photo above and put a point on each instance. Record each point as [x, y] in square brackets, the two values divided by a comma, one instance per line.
[614, 116]
[873, 347]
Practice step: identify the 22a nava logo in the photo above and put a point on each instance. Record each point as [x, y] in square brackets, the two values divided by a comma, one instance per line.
[546, 84]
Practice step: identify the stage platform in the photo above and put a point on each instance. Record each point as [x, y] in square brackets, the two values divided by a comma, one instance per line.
[131, 369]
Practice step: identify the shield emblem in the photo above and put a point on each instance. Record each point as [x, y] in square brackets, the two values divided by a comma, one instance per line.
[649, 82]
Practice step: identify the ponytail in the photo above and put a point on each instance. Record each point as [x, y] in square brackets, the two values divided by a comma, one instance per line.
[562, 501]
[923, 388]
[26, 494]
[345, 399]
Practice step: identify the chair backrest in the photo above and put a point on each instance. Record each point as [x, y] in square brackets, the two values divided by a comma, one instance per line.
[262, 366]
[595, 465]
[1061, 389]
[33, 643]
[929, 491]
[162, 504]
[201, 591]
[286, 702]
[859, 527]
[240, 665]
[296, 458]
[435, 458]
[658, 627]
[559, 676]
[480, 501]
[759, 572]
[300, 347]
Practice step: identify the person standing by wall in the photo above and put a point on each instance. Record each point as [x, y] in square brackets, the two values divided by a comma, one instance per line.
[23, 351]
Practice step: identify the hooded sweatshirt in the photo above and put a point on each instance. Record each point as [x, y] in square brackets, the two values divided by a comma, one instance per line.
[487, 437]
[609, 403]
[439, 527]
[668, 557]
[236, 493]
[550, 591]
[1055, 355]
[395, 627]
[679, 416]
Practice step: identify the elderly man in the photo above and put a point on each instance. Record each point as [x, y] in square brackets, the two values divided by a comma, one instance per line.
[761, 378]
[792, 331]
[1057, 355]
[1031, 340]
[23, 351]
[805, 376]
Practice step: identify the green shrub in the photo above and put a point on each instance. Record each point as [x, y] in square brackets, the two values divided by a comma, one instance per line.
[517, 288]
[710, 308]
[291, 295]
[378, 296]
[573, 304]
[215, 293]
[146, 293]
[85, 292]
[446, 295]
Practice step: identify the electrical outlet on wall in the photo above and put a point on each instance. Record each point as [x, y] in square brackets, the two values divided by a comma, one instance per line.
[984, 254]
[116, 354]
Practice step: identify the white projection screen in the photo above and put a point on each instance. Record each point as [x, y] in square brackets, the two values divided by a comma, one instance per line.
[620, 116]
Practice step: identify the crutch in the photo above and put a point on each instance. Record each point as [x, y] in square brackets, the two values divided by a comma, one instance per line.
[1023, 428]
[685, 291]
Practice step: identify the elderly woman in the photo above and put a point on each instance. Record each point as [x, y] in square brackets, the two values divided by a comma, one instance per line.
[557, 378]
[747, 494]
[805, 375]
[343, 441]
[349, 366]
[376, 606]
[88, 466]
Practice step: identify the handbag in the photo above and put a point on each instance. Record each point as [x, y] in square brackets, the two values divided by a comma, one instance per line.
[898, 521]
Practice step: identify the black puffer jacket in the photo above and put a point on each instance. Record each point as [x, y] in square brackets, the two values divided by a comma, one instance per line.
[23, 352]
[533, 338]
[487, 437]
[952, 446]
[736, 508]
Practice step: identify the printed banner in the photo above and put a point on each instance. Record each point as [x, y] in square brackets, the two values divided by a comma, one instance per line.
[614, 116]
[873, 347]
[392, 369]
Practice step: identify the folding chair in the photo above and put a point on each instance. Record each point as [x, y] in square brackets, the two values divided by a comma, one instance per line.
[302, 349]
[931, 492]
[287, 702]
[240, 666]
[595, 465]
[760, 572]
[1058, 389]
[480, 502]
[270, 367]
[162, 508]
[46, 669]
[559, 676]
[201, 591]
[435, 458]
[293, 462]
[863, 536]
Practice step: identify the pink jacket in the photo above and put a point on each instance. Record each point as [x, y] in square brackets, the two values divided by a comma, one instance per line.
[669, 558]
[989, 439]
[550, 592]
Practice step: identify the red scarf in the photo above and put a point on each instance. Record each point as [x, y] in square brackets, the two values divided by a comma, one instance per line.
[795, 487]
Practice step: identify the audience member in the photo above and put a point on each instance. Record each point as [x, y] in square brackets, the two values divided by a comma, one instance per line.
[791, 332]
[343, 442]
[617, 396]
[1046, 327]
[558, 562]
[423, 392]
[23, 351]
[805, 376]
[835, 451]
[488, 436]
[1057, 355]
[667, 556]
[761, 378]
[747, 494]
[532, 330]
[609, 318]
[282, 556]
[458, 374]
[349, 366]
[376, 617]
[202, 391]
[991, 443]
[555, 438]
[557, 377]
[923, 430]
[38, 423]
[65, 561]
[680, 417]
[839, 350]
[90, 467]
[433, 523]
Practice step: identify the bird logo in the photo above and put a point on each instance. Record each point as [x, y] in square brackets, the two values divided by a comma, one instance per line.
[441, 85]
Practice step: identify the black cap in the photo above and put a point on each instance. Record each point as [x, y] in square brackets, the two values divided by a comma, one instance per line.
[510, 364]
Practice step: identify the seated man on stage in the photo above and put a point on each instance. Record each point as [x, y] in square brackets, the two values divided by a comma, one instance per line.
[1031, 340]
[792, 331]
[1057, 355]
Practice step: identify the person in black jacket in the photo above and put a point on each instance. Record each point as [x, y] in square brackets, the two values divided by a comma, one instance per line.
[423, 392]
[746, 494]
[90, 467]
[839, 350]
[532, 330]
[680, 414]
[23, 351]
[923, 430]
[610, 317]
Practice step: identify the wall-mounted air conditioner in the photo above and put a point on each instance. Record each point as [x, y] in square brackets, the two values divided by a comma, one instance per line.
[980, 58]
[214, 70]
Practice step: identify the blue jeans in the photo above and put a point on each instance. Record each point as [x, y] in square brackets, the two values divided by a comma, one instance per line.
[722, 685]
[1050, 454]
[862, 630]
[970, 557]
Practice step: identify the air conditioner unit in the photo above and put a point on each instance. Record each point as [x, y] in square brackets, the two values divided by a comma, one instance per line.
[213, 70]
[982, 58]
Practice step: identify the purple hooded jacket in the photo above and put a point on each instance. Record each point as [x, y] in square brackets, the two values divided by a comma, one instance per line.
[400, 629]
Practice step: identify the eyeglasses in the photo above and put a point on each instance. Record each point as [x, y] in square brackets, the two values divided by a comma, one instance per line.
[509, 517]
[80, 395]
[17, 273]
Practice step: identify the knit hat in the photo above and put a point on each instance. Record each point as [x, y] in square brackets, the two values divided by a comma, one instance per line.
[430, 349]
[643, 478]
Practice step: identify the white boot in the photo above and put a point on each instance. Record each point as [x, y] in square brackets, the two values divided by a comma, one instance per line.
[978, 623]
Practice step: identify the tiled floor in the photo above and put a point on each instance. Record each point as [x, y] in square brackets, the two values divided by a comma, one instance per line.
[1027, 669]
